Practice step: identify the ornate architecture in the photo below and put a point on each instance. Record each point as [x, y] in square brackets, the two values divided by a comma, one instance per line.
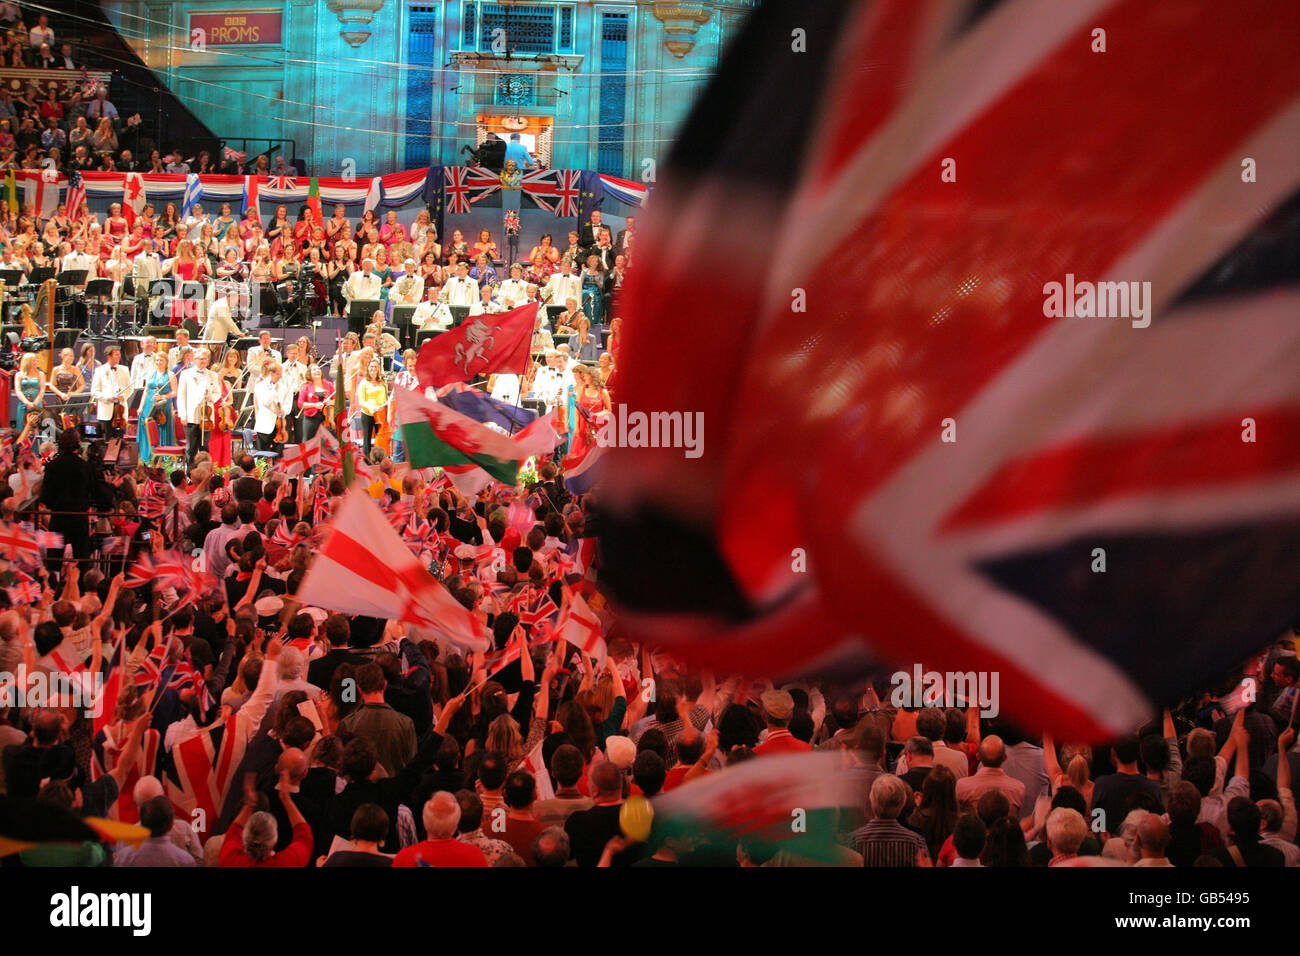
[390, 84]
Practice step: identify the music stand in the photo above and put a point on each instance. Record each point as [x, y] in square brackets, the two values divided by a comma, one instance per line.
[100, 290]
[360, 311]
[423, 335]
[40, 274]
[459, 313]
[11, 277]
[552, 311]
[71, 277]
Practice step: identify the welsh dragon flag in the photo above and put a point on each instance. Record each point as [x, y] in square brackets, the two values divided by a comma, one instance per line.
[777, 803]
[437, 435]
[364, 567]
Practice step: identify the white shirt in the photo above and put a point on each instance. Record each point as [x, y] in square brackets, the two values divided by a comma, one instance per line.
[39, 34]
[193, 386]
[141, 366]
[460, 290]
[491, 308]
[107, 384]
[562, 288]
[148, 266]
[268, 405]
[75, 261]
[256, 356]
[506, 388]
[551, 385]
[293, 378]
[512, 293]
[408, 290]
[361, 287]
[221, 323]
[432, 315]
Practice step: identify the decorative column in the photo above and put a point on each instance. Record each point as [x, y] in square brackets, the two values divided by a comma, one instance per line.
[682, 21]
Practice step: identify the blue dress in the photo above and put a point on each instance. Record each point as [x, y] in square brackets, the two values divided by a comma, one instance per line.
[155, 383]
[593, 299]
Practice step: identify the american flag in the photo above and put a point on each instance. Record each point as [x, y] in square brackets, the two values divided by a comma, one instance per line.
[937, 177]
[76, 193]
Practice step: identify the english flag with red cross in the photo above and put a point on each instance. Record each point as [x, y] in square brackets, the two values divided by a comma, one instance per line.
[933, 462]
[364, 567]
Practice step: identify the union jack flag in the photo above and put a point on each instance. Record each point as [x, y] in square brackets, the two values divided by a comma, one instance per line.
[24, 589]
[555, 190]
[186, 675]
[151, 670]
[282, 182]
[534, 607]
[1103, 511]
[457, 188]
[18, 545]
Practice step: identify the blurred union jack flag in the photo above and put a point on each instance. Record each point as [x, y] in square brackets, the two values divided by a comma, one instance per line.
[950, 160]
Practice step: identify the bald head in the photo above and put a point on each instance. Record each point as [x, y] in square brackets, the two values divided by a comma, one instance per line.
[992, 751]
[295, 762]
[1152, 836]
[146, 788]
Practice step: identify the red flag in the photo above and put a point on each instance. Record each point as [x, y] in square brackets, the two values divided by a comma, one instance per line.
[483, 345]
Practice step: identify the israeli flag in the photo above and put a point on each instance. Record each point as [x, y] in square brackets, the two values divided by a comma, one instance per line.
[193, 193]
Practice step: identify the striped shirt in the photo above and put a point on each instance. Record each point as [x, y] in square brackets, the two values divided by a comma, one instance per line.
[887, 843]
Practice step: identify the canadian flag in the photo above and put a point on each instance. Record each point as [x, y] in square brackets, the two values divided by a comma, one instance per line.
[364, 567]
[579, 625]
[133, 197]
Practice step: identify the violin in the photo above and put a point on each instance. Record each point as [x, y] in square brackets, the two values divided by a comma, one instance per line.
[119, 415]
[281, 431]
[226, 417]
[383, 430]
[327, 415]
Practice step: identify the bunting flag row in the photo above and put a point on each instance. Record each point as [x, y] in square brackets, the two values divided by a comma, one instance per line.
[564, 192]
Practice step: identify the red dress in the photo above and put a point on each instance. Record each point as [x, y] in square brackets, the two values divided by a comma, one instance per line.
[185, 308]
[219, 438]
[585, 428]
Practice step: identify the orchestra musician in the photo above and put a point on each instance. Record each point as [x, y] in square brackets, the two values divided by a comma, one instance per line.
[513, 292]
[295, 376]
[110, 386]
[198, 391]
[361, 286]
[142, 364]
[259, 355]
[176, 351]
[408, 290]
[270, 405]
[372, 395]
[314, 395]
[460, 288]
[221, 324]
[432, 313]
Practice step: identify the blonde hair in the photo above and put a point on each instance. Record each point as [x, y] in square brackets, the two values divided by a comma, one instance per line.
[503, 737]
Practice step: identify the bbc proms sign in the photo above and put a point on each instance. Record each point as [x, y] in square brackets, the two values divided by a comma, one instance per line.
[236, 28]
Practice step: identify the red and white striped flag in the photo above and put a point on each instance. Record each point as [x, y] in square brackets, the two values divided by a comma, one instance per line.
[364, 567]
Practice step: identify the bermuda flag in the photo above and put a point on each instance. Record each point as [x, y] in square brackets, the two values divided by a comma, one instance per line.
[252, 206]
[961, 190]
[134, 198]
[482, 345]
[579, 625]
[756, 801]
[364, 567]
[436, 435]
